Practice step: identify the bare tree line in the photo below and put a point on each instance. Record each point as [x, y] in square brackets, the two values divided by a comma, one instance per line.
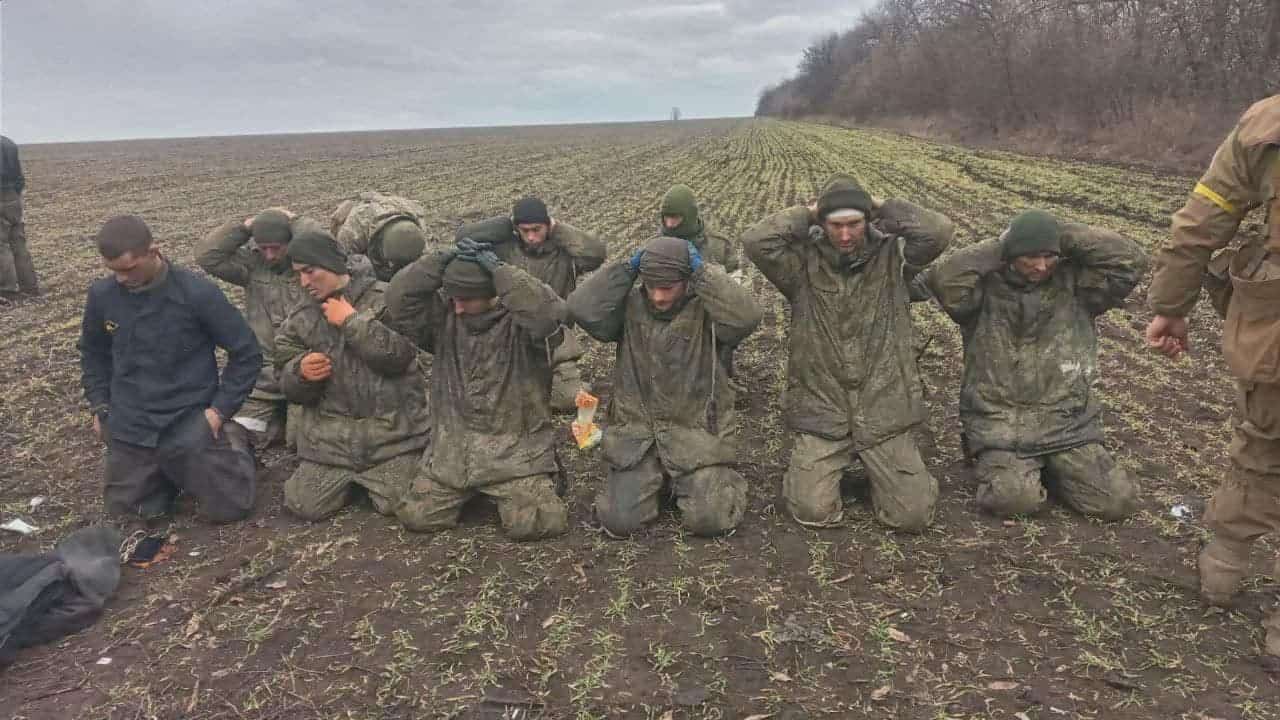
[1075, 65]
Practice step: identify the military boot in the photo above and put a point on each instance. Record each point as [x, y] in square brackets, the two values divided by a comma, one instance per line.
[565, 384]
[1223, 564]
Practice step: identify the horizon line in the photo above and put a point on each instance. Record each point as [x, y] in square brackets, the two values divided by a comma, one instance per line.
[143, 138]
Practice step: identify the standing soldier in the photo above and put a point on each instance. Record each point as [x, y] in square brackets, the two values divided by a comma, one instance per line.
[672, 412]
[1026, 305]
[556, 253]
[271, 291]
[492, 328]
[151, 378]
[853, 387]
[386, 229]
[363, 407]
[17, 272]
[1244, 173]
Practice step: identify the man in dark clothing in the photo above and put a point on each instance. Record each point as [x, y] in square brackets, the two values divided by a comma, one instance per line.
[151, 378]
[17, 272]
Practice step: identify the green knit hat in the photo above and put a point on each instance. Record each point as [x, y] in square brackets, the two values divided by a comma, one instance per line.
[318, 248]
[271, 227]
[465, 279]
[1031, 233]
[679, 200]
[402, 242]
[842, 192]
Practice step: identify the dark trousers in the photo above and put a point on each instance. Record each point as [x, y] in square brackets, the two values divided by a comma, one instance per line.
[218, 472]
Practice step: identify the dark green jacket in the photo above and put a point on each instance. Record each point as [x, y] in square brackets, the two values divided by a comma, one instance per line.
[490, 376]
[1031, 351]
[373, 408]
[666, 364]
[852, 366]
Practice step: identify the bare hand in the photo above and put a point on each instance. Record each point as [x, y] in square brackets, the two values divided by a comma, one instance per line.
[248, 223]
[1168, 335]
[215, 421]
[337, 310]
[813, 210]
[287, 212]
[876, 203]
[97, 428]
[315, 367]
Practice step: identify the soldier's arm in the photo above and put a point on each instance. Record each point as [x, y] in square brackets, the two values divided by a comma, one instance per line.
[730, 305]
[587, 250]
[287, 357]
[536, 308]
[771, 244]
[386, 351]
[230, 331]
[1207, 223]
[1108, 266]
[599, 304]
[21, 184]
[925, 233]
[414, 307]
[95, 356]
[339, 216]
[956, 281]
[222, 253]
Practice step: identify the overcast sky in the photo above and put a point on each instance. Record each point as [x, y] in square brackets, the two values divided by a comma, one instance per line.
[99, 69]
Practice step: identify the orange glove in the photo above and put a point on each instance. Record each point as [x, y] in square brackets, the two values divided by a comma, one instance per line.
[337, 310]
[315, 367]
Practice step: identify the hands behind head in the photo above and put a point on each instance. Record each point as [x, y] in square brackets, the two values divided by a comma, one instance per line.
[695, 258]
[480, 253]
[634, 263]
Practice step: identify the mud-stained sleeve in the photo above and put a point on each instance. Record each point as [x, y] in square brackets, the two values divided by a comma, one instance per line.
[587, 250]
[1208, 221]
[536, 308]
[1109, 266]
[339, 217]
[730, 305]
[925, 233]
[599, 305]
[287, 355]
[773, 245]
[723, 248]
[956, 280]
[386, 351]
[414, 306]
[222, 253]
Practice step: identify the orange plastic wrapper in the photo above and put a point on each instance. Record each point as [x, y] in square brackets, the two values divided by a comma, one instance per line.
[585, 431]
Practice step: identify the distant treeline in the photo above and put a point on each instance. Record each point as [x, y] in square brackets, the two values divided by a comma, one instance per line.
[1076, 66]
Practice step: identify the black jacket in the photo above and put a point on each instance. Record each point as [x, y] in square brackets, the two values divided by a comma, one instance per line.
[149, 356]
[11, 178]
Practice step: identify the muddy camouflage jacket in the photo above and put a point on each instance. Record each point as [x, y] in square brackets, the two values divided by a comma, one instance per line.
[1244, 174]
[356, 222]
[373, 408]
[270, 292]
[491, 373]
[567, 254]
[1031, 350]
[852, 365]
[663, 391]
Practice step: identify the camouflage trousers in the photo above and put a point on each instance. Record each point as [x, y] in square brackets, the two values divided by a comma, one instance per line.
[1085, 479]
[711, 499]
[17, 271]
[528, 507]
[218, 472]
[316, 491]
[1247, 504]
[903, 492]
[265, 417]
[566, 380]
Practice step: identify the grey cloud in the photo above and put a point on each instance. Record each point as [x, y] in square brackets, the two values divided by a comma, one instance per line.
[91, 69]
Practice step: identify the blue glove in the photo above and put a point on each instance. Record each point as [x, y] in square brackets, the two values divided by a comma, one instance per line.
[635, 261]
[695, 258]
